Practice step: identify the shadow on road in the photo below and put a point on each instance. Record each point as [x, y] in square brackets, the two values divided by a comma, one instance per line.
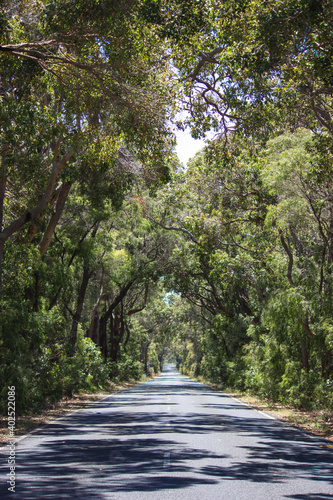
[131, 451]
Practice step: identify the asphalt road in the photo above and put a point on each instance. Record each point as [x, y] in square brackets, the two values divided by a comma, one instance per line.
[170, 438]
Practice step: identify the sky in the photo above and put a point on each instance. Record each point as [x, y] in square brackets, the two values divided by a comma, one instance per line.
[187, 146]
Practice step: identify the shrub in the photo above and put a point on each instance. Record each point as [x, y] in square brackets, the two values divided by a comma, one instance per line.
[86, 370]
[126, 368]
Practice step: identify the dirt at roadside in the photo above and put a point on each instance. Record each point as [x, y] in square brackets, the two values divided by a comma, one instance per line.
[318, 422]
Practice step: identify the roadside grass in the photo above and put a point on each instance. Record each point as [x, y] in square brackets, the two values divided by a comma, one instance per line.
[51, 411]
[318, 422]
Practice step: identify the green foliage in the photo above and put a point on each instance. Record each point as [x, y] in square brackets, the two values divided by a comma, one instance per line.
[125, 368]
[86, 370]
[153, 362]
[250, 66]
[29, 343]
[32, 360]
[260, 270]
[227, 268]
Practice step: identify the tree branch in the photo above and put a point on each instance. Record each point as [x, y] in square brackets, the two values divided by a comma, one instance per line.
[290, 261]
[171, 228]
[205, 58]
[134, 311]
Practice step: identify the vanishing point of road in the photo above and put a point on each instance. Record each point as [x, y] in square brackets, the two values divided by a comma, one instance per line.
[170, 438]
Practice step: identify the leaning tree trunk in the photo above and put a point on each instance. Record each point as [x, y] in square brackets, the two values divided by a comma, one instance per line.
[62, 197]
[32, 214]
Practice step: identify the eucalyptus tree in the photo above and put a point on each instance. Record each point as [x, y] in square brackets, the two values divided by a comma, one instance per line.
[298, 313]
[214, 213]
[128, 272]
[79, 82]
[86, 94]
[217, 209]
[262, 65]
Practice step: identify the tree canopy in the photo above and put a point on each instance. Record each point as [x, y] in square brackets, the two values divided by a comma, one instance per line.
[115, 258]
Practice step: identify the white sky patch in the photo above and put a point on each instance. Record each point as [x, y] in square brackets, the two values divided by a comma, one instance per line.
[187, 146]
[169, 296]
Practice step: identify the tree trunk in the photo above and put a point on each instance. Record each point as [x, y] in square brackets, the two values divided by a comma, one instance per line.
[32, 214]
[307, 327]
[290, 259]
[93, 332]
[305, 357]
[116, 333]
[102, 339]
[107, 315]
[3, 181]
[63, 194]
[31, 233]
[128, 334]
[145, 356]
[80, 301]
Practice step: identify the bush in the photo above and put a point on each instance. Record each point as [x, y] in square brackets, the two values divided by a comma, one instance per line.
[305, 389]
[153, 362]
[126, 368]
[25, 361]
[86, 370]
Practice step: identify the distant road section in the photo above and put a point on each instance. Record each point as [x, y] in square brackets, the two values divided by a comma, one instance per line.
[170, 439]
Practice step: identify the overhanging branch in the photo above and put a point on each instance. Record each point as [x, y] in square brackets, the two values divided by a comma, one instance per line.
[179, 229]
